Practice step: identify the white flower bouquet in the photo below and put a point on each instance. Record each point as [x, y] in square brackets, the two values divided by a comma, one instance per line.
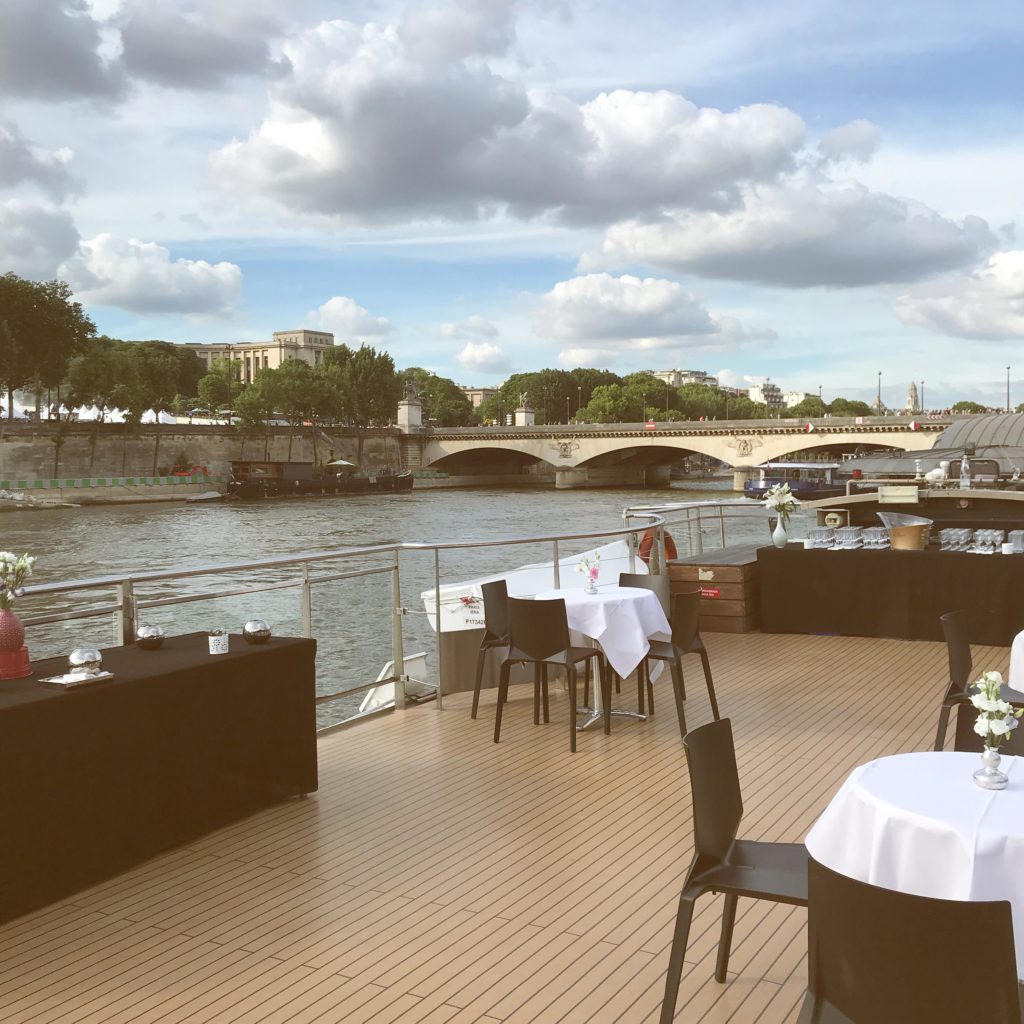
[591, 568]
[780, 500]
[13, 573]
[996, 718]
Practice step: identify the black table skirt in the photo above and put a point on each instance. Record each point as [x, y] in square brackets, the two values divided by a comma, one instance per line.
[96, 779]
[890, 593]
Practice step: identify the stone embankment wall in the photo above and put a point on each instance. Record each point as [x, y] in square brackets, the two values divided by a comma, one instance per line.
[27, 452]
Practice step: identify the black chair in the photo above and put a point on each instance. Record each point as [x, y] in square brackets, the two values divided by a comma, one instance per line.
[958, 649]
[662, 586]
[882, 957]
[495, 631]
[722, 863]
[685, 619]
[538, 633]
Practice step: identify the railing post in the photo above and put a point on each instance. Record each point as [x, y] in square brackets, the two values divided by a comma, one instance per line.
[700, 534]
[124, 620]
[661, 550]
[721, 523]
[306, 599]
[437, 618]
[557, 567]
[633, 540]
[397, 640]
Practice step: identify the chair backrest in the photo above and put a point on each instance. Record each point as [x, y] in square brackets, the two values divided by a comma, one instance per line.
[954, 627]
[885, 957]
[537, 629]
[661, 585]
[685, 618]
[715, 788]
[495, 596]
[967, 739]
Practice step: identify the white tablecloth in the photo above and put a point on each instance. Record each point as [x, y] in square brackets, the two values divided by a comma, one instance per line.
[1016, 674]
[917, 823]
[623, 620]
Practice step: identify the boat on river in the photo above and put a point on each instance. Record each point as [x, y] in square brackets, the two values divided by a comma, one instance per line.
[973, 476]
[291, 479]
[807, 480]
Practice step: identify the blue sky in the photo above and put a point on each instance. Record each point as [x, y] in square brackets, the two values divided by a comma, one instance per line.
[808, 191]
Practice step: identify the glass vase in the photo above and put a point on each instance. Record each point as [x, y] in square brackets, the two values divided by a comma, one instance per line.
[591, 586]
[989, 776]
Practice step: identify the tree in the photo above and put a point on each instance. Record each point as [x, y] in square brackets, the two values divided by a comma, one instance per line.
[966, 406]
[808, 408]
[219, 387]
[374, 390]
[850, 407]
[442, 399]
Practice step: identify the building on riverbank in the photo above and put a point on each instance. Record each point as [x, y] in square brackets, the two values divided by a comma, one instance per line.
[253, 356]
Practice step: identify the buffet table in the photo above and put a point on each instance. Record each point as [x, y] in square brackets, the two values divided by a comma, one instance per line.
[890, 593]
[97, 778]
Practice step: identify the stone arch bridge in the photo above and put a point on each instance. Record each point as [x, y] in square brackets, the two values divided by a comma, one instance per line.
[638, 454]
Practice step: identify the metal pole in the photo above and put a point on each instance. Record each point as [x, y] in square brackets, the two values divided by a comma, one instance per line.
[437, 618]
[397, 640]
[124, 620]
[306, 600]
[1007, 389]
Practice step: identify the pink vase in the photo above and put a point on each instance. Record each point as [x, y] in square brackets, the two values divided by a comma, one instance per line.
[12, 632]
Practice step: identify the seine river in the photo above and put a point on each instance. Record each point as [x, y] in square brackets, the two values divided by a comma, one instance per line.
[351, 618]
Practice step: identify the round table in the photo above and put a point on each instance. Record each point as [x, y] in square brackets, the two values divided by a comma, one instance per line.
[623, 620]
[917, 823]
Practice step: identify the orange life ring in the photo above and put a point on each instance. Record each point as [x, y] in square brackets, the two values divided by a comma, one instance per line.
[647, 543]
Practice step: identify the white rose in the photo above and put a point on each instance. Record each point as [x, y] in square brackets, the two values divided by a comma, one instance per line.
[998, 727]
[981, 726]
[977, 700]
[994, 677]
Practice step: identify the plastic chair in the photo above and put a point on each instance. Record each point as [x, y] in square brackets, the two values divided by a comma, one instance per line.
[662, 586]
[538, 633]
[877, 956]
[495, 597]
[958, 648]
[721, 862]
[685, 619]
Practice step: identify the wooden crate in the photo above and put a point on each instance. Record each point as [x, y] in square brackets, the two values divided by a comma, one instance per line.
[728, 582]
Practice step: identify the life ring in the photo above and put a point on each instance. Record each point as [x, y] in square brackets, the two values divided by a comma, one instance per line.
[647, 544]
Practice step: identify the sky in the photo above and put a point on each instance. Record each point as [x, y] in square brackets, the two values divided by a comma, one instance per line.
[810, 191]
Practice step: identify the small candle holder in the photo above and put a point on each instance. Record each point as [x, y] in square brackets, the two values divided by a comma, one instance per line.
[218, 640]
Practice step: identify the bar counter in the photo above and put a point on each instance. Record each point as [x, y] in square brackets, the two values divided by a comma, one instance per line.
[97, 778]
[888, 593]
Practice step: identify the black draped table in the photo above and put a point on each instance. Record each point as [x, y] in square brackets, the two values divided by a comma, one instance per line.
[890, 593]
[97, 778]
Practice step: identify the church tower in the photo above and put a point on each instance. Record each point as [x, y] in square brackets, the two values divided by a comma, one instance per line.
[912, 402]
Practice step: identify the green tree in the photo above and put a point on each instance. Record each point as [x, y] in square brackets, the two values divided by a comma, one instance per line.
[808, 408]
[43, 329]
[219, 387]
[850, 407]
[442, 399]
[373, 389]
[966, 406]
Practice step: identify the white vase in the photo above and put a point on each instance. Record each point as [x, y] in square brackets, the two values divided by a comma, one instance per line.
[779, 537]
[590, 586]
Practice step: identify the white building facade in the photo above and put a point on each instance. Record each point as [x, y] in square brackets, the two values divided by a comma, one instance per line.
[252, 356]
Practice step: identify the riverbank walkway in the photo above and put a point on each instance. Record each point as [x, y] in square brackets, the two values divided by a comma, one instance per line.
[436, 878]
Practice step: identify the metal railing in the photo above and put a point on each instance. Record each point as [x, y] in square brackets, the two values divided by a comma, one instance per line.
[308, 570]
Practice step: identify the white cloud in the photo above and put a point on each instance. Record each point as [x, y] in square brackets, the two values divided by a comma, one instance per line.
[49, 50]
[200, 48]
[483, 357]
[856, 141]
[345, 318]
[598, 306]
[20, 161]
[380, 122]
[474, 326]
[986, 305]
[142, 277]
[34, 239]
[802, 235]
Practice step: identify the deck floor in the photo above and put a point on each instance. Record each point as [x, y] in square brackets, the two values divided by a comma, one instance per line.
[436, 878]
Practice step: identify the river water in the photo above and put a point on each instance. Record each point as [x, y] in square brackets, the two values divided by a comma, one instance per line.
[351, 618]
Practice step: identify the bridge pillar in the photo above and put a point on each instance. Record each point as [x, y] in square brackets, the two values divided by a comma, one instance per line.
[568, 478]
[740, 475]
[658, 476]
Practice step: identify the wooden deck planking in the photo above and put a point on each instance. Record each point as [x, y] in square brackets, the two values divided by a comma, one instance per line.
[439, 879]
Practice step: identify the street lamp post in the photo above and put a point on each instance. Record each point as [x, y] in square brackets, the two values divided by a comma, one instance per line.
[924, 408]
[643, 409]
[567, 410]
[878, 400]
[579, 397]
[1007, 389]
